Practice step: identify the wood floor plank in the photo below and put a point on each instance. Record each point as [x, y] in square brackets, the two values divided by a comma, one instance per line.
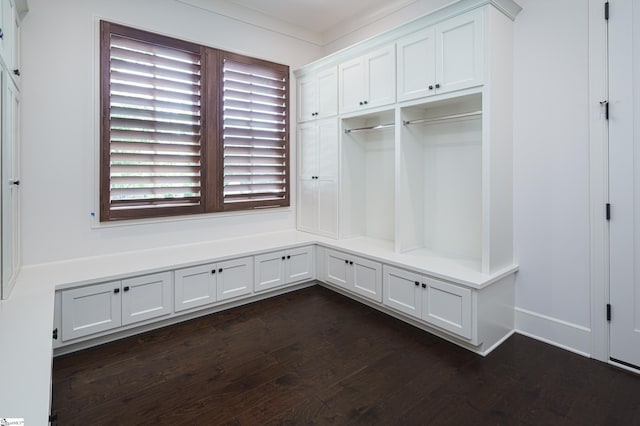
[313, 357]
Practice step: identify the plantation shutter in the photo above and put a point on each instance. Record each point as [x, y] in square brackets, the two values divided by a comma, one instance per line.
[154, 135]
[254, 133]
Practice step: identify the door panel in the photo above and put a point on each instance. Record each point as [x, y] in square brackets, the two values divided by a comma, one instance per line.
[448, 306]
[300, 264]
[337, 268]
[194, 287]
[624, 175]
[235, 279]
[402, 291]
[367, 278]
[146, 297]
[91, 309]
[269, 271]
[416, 65]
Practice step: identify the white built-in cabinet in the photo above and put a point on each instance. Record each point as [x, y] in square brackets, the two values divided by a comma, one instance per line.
[285, 267]
[446, 306]
[11, 12]
[102, 307]
[318, 177]
[367, 81]
[318, 95]
[354, 273]
[207, 284]
[443, 58]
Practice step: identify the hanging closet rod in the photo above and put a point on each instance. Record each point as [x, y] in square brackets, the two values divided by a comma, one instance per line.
[442, 118]
[362, 129]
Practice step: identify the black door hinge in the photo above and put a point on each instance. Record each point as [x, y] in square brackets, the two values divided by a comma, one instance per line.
[55, 334]
[53, 418]
[608, 211]
[608, 312]
[605, 104]
[606, 11]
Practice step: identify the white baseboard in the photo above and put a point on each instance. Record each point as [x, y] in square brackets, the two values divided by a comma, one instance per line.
[556, 332]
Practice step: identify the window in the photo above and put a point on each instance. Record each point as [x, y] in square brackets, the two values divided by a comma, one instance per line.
[188, 129]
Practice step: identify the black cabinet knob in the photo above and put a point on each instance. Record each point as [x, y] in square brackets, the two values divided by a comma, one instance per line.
[220, 270]
[346, 261]
[431, 87]
[17, 72]
[351, 263]
[438, 86]
[361, 103]
[283, 257]
[213, 271]
[366, 102]
[126, 288]
[288, 257]
[14, 182]
[424, 285]
[417, 283]
[116, 290]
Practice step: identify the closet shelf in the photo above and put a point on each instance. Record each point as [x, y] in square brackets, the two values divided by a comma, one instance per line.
[364, 129]
[442, 118]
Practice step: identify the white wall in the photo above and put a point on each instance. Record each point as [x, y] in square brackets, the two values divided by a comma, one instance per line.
[60, 133]
[551, 171]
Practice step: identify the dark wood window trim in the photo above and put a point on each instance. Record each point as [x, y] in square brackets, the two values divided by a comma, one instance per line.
[204, 175]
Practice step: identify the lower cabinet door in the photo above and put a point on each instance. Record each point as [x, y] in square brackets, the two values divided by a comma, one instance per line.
[300, 264]
[403, 291]
[337, 268]
[269, 271]
[235, 278]
[91, 309]
[367, 278]
[194, 287]
[146, 297]
[448, 307]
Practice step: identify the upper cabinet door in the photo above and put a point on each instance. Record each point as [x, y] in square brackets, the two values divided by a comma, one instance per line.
[351, 85]
[307, 98]
[459, 52]
[368, 81]
[381, 77]
[318, 95]
[417, 65]
[327, 90]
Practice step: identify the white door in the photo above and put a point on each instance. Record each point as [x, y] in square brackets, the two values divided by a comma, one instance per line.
[269, 270]
[624, 175]
[235, 278]
[299, 264]
[307, 98]
[351, 84]
[194, 287]
[337, 268]
[402, 291]
[416, 65]
[326, 199]
[327, 93]
[367, 278]
[91, 309]
[146, 297]
[381, 77]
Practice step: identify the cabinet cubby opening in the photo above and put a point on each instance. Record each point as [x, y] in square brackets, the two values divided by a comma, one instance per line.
[440, 204]
[368, 176]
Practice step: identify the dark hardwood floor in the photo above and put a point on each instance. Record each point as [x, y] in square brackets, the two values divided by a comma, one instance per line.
[315, 357]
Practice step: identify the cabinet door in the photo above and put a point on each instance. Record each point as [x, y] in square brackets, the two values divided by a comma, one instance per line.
[194, 287]
[367, 278]
[448, 307]
[269, 271]
[337, 268]
[459, 52]
[327, 93]
[381, 77]
[10, 189]
[402, 291]
[146, 297]
[416, 65]
[8, 28]
[327, 208]
[326, 197]
[235, 278]
[307, 202]
[307, 98]
[351, 92]
[91, 309]
[308, 150]
[300, 264]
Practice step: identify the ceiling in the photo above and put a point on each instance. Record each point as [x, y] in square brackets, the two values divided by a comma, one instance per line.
[315, 21]
[320, 15]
